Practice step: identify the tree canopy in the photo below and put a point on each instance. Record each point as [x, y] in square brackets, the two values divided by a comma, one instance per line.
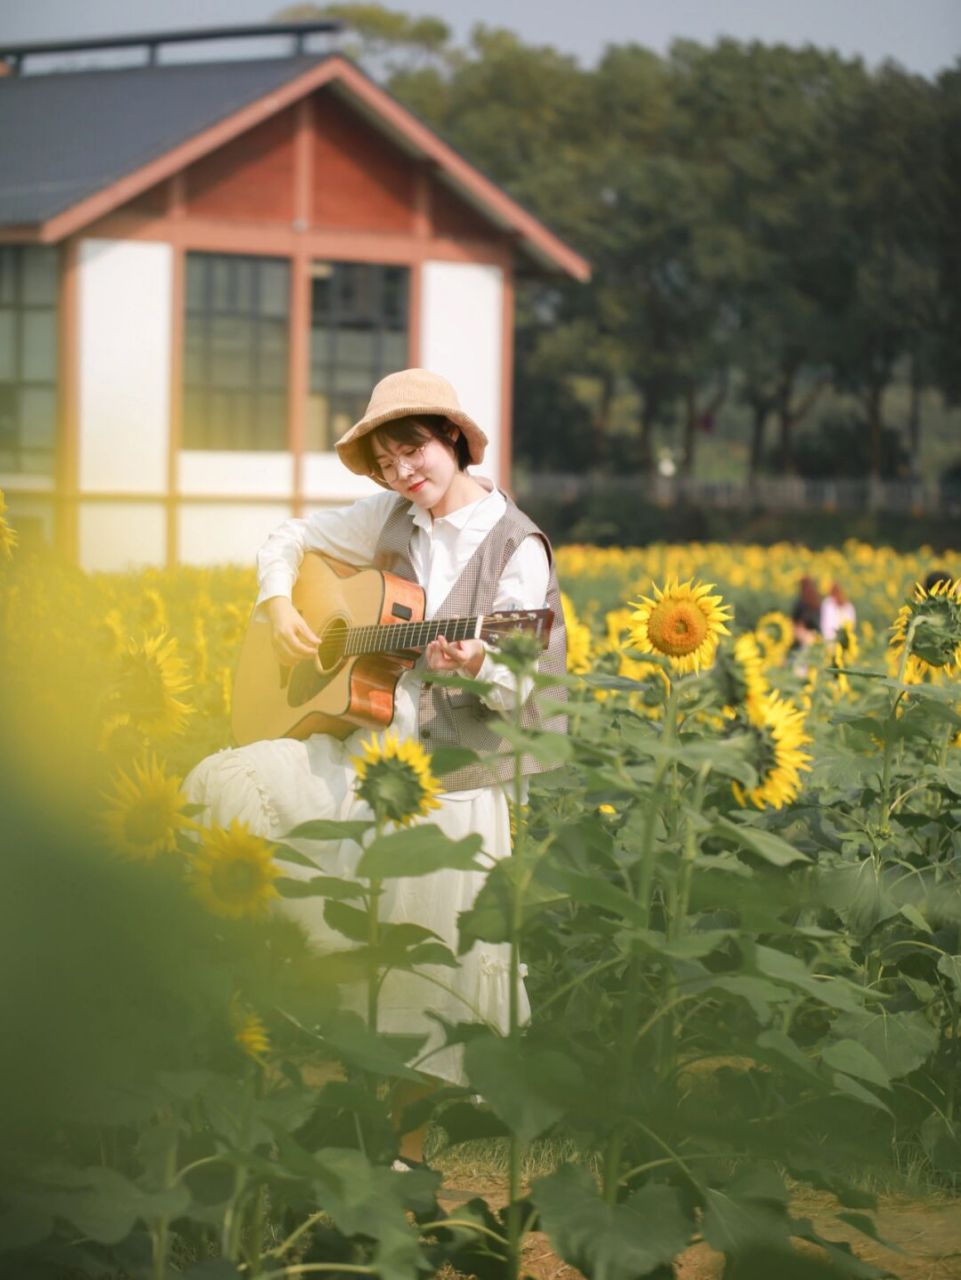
[764, 224]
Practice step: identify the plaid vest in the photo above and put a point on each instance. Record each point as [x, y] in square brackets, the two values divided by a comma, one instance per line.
[453, 717]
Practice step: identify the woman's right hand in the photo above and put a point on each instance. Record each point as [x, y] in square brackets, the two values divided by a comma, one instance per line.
[292, 639]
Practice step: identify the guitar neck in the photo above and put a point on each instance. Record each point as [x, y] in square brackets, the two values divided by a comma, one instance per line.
[395, 637]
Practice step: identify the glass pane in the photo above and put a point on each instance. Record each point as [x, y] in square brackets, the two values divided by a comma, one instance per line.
[355, 346]
[317, 439]
[195, 435]
[230, 347]
[38, 417]
[222, 289]
[395, 297]
[37, 462]
[357, 291]
[395, 352]
[9, 272]
[351, 379]
[347, 410]
[272, 423]
[8, 346]
[274, 290]
[39, 358]
[320, 297]
[9, 418]
[320, 347]
[196, 279]
[40, 267]
[222, 426]
[272, 359]
[243, 296]
[193, 356]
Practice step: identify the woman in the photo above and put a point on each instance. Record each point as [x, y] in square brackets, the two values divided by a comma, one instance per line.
[837, 611]
[473, 552]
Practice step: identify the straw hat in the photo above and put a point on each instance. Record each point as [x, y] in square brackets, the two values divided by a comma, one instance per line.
[409, 393]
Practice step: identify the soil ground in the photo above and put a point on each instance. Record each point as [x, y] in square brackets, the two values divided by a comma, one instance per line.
[925, 1235]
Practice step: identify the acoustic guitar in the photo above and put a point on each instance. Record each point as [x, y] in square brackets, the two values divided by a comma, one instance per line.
[370, 625]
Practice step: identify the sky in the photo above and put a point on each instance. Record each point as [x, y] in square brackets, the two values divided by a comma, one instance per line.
[922, 35]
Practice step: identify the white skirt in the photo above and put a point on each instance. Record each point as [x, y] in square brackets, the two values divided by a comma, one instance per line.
[274, 786]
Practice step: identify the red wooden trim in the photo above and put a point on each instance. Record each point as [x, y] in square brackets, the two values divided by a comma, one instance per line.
[217, 236]
[177, 196]
[303, 164]
[496, 202]
[422, 210]
[507, 378]
[298, 375]
[175, 417]
[21, 235]
[67, 452]
[415, 307]
[388, 114]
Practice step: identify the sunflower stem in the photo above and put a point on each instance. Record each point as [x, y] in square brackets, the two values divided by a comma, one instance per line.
[233, 1218]
[884, 816]
[630, 1011]
[515, 1232]
[161, 1228]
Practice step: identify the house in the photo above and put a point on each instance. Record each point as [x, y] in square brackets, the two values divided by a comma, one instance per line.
[204, 267]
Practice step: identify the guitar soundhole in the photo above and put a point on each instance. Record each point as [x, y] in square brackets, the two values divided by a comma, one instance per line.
[333, 642]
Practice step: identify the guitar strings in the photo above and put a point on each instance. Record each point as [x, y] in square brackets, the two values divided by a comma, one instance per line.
[408, 635]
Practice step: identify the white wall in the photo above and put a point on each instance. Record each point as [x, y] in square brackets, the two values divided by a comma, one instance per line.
[121, 535]
[203, 471]
[326, 478]
[226, 532]
[461, 338]
[124, 335]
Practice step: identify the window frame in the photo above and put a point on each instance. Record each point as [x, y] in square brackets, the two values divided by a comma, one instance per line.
[200, 430]
[22, 308]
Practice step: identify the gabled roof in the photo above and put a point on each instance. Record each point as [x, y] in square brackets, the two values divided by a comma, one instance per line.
[76, 145]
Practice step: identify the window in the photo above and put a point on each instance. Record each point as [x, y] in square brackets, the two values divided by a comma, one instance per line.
[235, 352]
[358, 332]
[29, 289]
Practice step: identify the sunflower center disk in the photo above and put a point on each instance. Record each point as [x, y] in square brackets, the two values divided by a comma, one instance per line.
[676, 627]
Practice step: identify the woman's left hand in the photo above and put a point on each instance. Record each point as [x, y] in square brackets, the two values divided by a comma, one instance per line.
[463, 656]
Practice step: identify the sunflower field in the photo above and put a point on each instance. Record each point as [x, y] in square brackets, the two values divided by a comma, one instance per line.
[736, 892]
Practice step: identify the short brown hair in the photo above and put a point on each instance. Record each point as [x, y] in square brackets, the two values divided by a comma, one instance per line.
[414, 431]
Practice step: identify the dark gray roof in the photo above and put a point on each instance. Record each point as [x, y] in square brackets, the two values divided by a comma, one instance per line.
[67, 135]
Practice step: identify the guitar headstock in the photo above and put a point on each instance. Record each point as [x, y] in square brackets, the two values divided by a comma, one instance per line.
[536, 622]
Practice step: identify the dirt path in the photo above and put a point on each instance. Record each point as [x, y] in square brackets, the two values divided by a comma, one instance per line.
[925, 1237]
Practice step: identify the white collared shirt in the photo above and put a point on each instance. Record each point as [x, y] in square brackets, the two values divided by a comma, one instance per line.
[439, 552]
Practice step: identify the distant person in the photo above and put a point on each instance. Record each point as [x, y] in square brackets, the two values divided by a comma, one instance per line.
[806, 614]
[837, 611]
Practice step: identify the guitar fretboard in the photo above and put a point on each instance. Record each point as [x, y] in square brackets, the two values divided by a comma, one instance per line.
[394, 636]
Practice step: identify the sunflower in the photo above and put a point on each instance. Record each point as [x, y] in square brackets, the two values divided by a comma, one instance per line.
[153, 611]
[739, 674]
[618, 624]
[152, 675]
[145, 812]
[395, 779]
[844, 652]
[683, 621]
[578, 638]
[8, 535]
[250, 1034]
[111, 634]
[775, 634]
[778, 727]
[233, 874]
[934, 621]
